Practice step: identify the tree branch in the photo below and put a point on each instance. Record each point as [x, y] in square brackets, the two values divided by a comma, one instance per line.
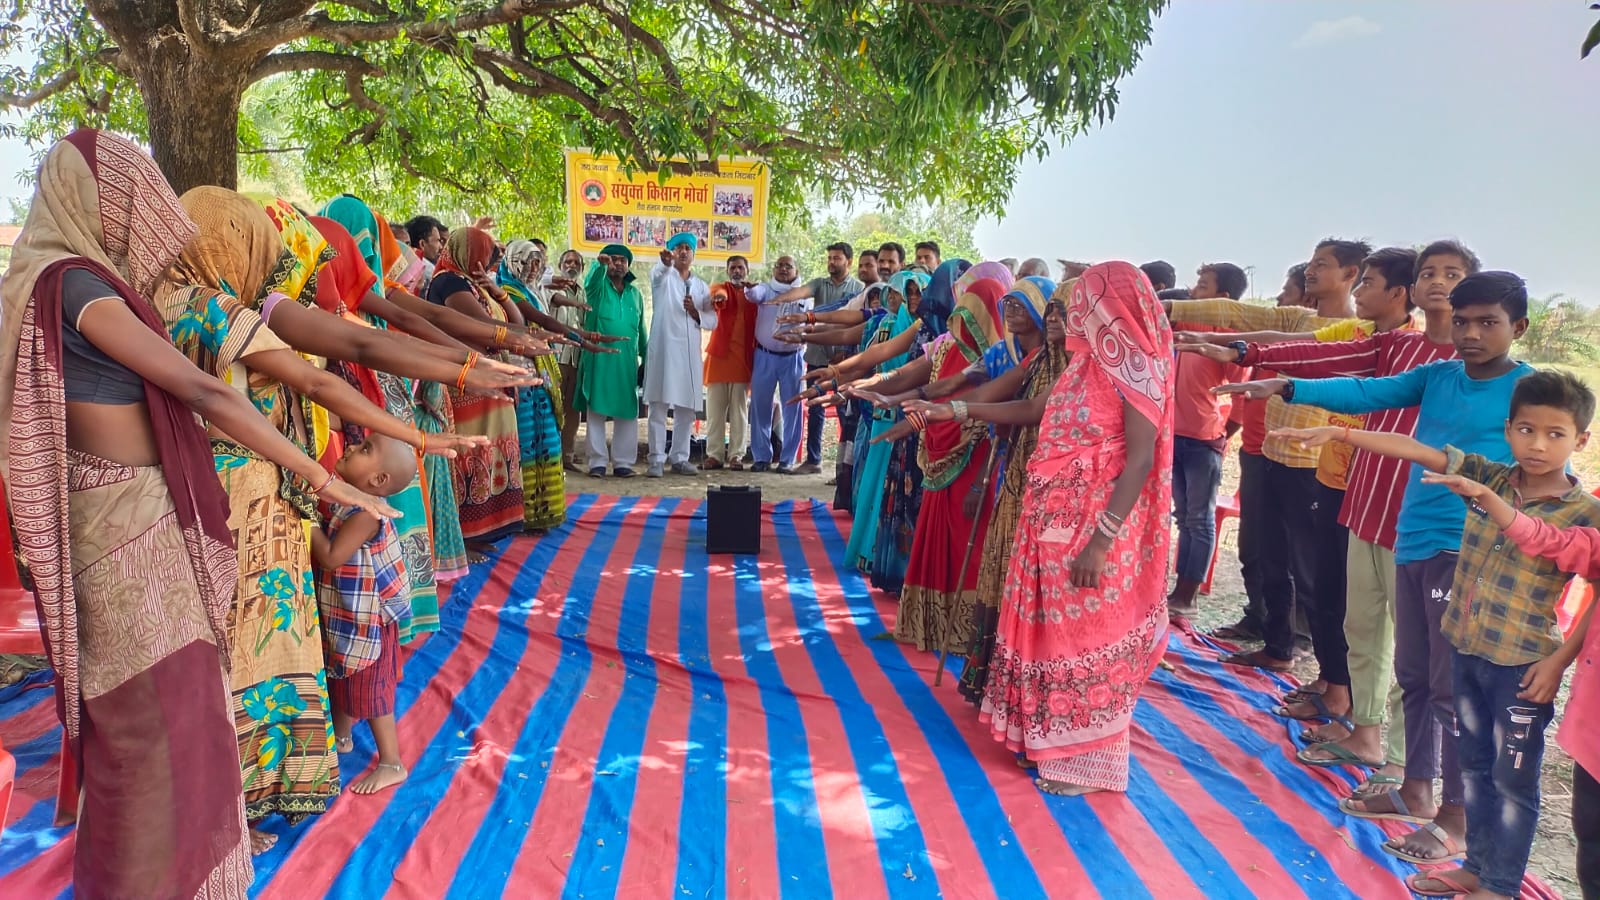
[427, 32]
[308, 60]
[110, 56]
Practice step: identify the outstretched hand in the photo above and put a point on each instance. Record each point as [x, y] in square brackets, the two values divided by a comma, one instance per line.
[1459, 484]
[897, 431]
[1309, 438]
[1254, 390]
[932, 412]
[344, 493]
[449, 444]
[1214, 352]
[1201, 337]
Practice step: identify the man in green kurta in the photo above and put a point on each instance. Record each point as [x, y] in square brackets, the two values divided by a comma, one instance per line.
[608, 383]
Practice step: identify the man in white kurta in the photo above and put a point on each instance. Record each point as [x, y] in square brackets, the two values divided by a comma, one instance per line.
[682, 309]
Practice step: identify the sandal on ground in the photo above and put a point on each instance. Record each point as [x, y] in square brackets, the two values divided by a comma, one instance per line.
[735, 465]
[1452, 850]
[1453, 888]
[1236, 632]
[1314, 735]
[1341, 757]
[1258, 659]
[1376, 785]
[710, 464]
[1319, 706]
[1301, 695]
[1400, 812]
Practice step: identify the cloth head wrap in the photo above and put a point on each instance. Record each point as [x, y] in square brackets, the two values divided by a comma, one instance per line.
[683, 237]
[617, 250]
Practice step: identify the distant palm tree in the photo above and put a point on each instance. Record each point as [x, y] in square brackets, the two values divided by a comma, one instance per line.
[1560, 330]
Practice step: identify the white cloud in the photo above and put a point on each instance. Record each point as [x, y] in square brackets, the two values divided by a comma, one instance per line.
[1332, 31]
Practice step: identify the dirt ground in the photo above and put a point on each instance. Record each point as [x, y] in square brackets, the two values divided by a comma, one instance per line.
[1554, 850]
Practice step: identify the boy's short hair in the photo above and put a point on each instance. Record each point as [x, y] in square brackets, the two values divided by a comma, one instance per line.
[420, 228]
[1506, 289]
[1348, 253]
[1231, 280]
[870, 252]
[1160, 272]
[1297, 274]
[1557, 390]
[1397, 265]
[1448, 248]
[843, 247]
[1173, 294]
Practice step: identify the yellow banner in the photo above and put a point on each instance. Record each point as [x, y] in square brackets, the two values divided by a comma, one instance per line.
[727, 211]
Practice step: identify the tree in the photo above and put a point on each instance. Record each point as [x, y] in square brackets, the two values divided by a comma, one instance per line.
[1560, 330]
[803, 237]
[474, 100]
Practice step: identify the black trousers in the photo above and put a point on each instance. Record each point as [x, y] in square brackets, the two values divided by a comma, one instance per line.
[1586, 827]
[1288, 552]
[1253, 497]
[1332, 560]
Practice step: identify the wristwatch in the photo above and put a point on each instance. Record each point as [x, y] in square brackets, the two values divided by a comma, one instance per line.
[1239, 347]
[1288, 391]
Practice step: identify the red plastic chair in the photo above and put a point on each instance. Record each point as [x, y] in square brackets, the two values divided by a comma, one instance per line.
[8, 782]
[1227, 508]
[19, 618]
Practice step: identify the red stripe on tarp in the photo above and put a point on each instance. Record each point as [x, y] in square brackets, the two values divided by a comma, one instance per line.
[46, 875]
[952, 853]
[431, 865]
[316, 861]
[650, 866]
[854, 865]
[546, 853]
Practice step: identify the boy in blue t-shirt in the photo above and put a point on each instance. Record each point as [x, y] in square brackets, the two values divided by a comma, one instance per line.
[1463, 404]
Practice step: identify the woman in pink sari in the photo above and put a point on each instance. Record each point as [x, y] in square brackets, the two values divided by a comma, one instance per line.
[1083, 621]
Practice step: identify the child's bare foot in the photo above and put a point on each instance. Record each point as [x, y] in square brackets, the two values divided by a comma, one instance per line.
[261, 841]
[385, 776]
[1065, 788]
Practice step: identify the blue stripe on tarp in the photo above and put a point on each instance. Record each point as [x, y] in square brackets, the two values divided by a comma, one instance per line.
[18, 698]
[703, 815]
[902, 849]
[597, 860]
[370, 869]
[1294, 776]
[527, 770]
[802, 852]
[1005, 861]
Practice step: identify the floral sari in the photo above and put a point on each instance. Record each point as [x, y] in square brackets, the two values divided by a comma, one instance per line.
[213, 310]
[1069, 662]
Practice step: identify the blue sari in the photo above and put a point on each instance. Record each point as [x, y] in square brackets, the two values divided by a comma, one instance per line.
[872, 460]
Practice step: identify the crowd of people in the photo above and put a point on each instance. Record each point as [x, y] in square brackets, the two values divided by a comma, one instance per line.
[249, 443]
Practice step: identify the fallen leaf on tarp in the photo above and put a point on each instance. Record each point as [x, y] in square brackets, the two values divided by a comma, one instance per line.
[909, 874]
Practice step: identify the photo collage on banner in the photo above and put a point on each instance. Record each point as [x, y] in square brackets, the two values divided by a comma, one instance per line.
[726, 210]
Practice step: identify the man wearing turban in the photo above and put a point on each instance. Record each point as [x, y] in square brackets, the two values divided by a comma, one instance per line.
[608, 382]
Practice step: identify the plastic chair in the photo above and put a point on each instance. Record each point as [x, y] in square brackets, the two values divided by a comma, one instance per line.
[8, 782]
[19, 618]
[1227, 508]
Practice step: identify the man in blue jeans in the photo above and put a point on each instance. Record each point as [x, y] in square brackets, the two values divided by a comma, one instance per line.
[1201, 429]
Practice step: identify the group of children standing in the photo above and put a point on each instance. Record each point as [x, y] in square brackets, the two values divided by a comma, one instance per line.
[1436, 614]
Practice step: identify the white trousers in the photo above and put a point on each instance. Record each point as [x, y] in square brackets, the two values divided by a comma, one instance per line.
[725, 407]
[624, 450]
[683, 419]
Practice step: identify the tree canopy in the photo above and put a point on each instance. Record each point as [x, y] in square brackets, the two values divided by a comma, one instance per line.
[455, 102]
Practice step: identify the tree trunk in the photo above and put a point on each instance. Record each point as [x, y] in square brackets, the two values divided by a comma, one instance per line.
[192, 104]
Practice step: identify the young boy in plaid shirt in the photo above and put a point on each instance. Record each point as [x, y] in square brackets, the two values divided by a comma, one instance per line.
[1509, 656]
[362, 595]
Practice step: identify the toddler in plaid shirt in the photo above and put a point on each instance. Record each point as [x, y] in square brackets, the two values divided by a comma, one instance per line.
[1509, 655]
[362, 594]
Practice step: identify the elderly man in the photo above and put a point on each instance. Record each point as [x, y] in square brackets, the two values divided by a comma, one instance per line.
[673, 379]
[608, 383]
[778, 366]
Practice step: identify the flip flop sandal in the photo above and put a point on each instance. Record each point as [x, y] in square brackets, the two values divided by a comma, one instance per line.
[1310, 735]
[1301, 695]
[1315, 701]
[1453, 887]
[1341, 758]
[1453, 851]
[1376, 785]
[1401, 813]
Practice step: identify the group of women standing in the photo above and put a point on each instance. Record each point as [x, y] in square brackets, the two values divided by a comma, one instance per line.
[1024, 432]
[186, 371]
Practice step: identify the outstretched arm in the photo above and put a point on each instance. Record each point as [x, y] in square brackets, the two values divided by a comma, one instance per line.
[1398, 446]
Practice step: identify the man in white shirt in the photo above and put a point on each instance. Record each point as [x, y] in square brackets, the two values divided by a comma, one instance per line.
[777, 366]
[681, 309]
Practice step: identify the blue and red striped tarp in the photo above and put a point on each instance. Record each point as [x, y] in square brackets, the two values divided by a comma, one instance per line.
[610, 712]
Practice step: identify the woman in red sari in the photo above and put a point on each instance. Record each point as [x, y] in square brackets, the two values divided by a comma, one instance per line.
[1083, 621]
[941, 583]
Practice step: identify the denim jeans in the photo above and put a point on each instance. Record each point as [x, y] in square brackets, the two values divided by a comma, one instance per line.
[1586, 828]
[816, 420]
[1500, 749]
[1196, 472]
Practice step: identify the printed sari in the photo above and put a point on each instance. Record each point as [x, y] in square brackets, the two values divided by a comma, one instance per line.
[544, 482]
[132, 567]
[941, 580]
[212, 307]
[488, 480]
[1069, 662]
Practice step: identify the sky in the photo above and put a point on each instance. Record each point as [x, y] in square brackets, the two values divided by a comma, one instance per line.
[1251, 129]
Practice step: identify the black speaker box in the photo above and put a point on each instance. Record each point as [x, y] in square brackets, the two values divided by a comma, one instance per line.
[733, 519]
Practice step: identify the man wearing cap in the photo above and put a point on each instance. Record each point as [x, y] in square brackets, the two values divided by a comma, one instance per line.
[681, 309]
[608, 382]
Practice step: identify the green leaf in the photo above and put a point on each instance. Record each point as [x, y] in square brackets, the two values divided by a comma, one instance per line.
[1593, 40]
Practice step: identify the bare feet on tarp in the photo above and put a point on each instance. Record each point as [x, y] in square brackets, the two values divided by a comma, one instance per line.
[1064, 788]
[261, 841]
[383, 777]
